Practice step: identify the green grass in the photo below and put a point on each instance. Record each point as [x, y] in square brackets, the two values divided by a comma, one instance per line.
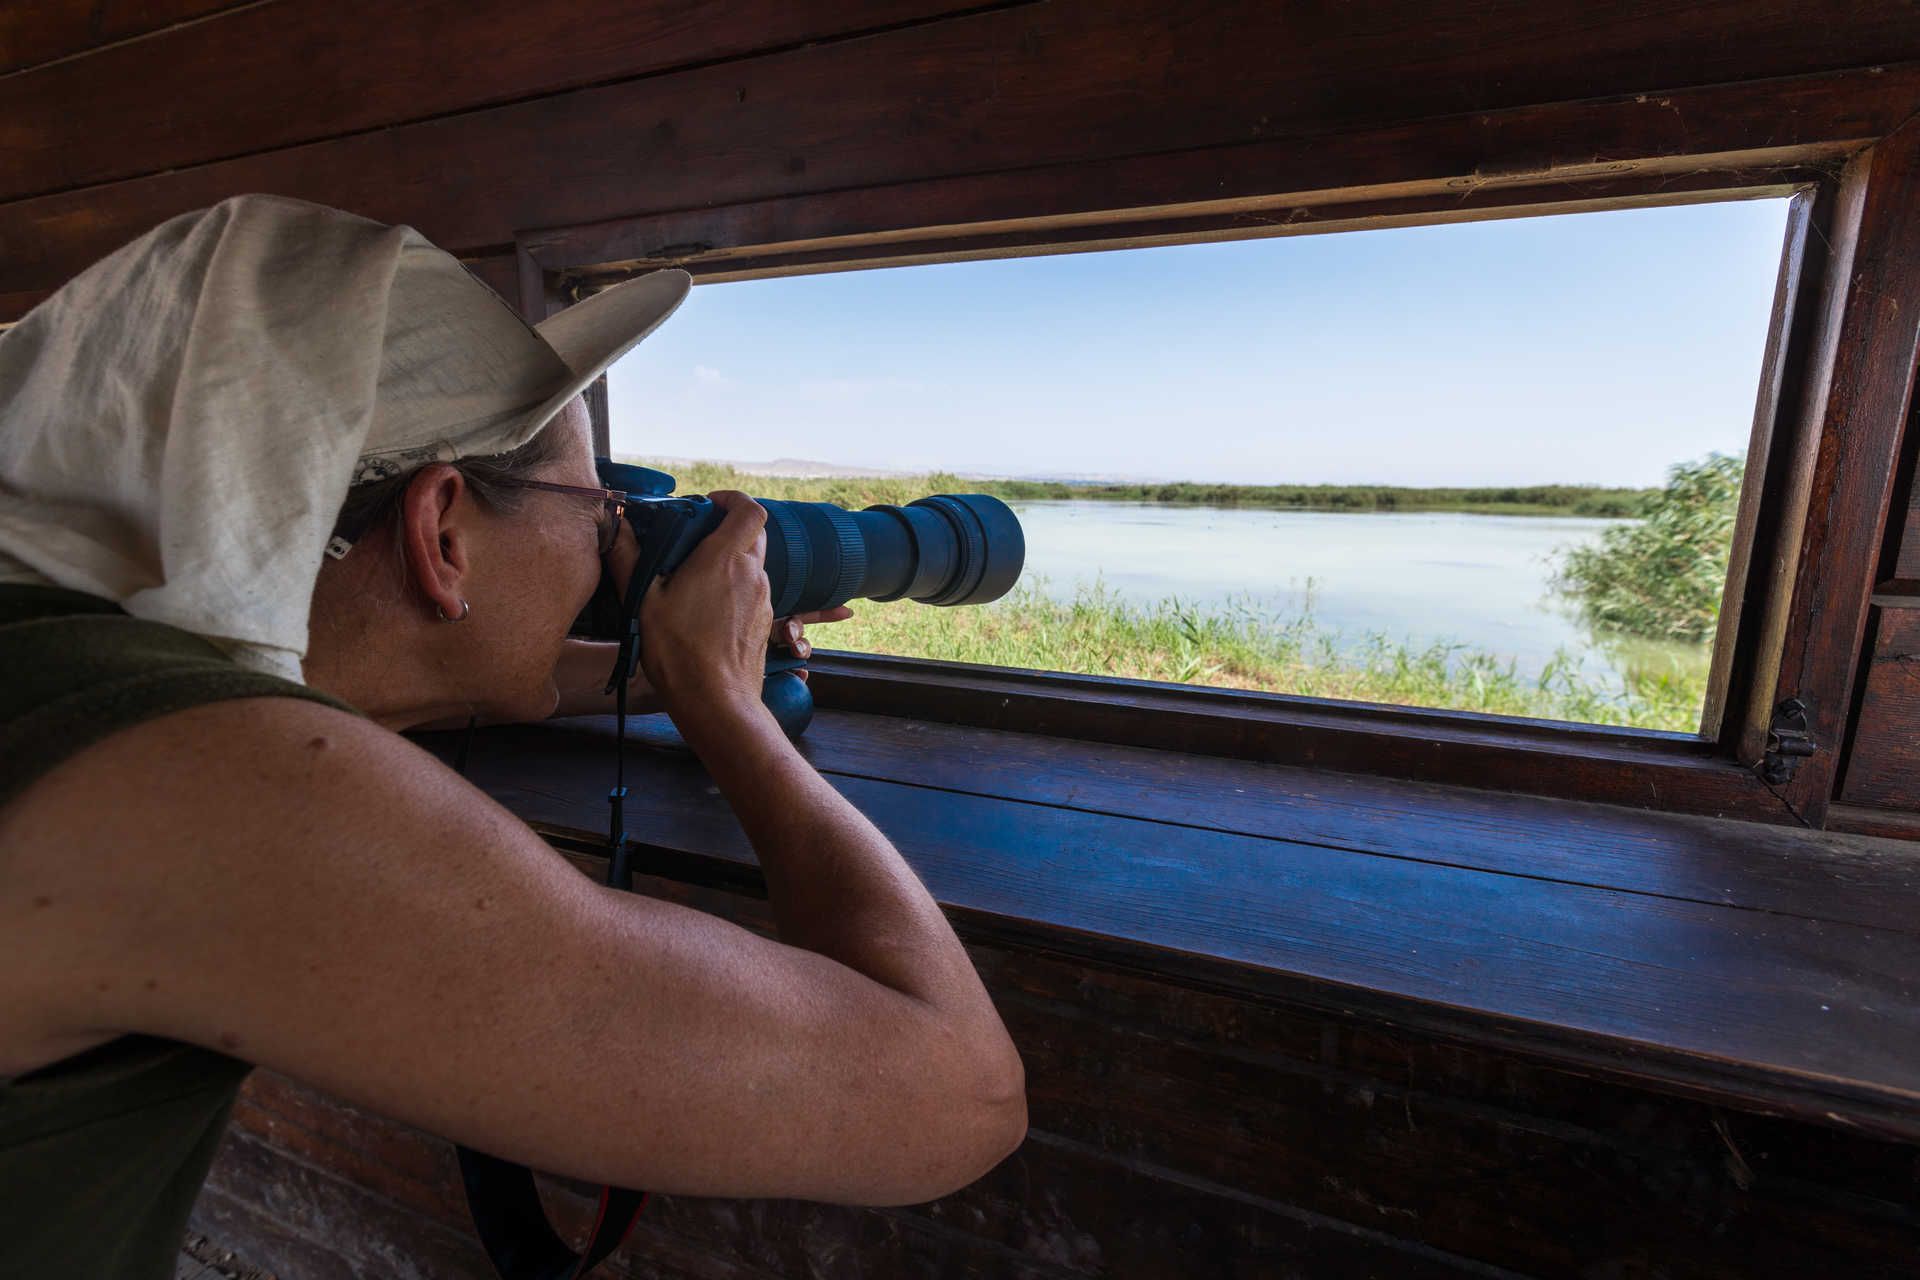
[864, 491]
[1100, 634]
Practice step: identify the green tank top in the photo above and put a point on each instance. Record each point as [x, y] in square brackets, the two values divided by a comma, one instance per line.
[103, 1153]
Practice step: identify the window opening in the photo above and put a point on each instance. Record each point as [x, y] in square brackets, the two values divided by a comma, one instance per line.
[1489, 466]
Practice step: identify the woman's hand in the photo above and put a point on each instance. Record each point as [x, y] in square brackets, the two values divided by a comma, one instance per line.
[791, 633]
[704, 629]
[585, 665]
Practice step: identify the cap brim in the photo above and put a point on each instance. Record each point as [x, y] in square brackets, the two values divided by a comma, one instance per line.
[593, 333]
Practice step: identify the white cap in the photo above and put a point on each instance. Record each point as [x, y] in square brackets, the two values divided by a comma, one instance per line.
[180, 422]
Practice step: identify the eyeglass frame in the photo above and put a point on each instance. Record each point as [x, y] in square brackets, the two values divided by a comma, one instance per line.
[615, 501]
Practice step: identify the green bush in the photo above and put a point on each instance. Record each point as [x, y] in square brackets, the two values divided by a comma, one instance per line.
[1664, 575]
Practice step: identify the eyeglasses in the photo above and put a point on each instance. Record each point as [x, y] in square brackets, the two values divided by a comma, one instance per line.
[614, 505]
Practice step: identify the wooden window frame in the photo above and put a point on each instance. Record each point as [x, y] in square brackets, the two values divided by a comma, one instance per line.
[1827, 425]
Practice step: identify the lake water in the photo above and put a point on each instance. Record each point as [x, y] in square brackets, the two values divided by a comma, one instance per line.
[1419, 578]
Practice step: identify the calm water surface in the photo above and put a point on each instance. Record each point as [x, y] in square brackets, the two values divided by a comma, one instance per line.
[1418, 578]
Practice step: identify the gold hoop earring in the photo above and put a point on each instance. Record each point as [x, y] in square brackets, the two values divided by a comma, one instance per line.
[465, 609]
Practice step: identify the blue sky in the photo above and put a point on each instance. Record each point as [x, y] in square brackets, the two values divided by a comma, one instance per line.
[1589, 348]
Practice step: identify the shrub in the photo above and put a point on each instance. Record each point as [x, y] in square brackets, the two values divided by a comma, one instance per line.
[1664, 575]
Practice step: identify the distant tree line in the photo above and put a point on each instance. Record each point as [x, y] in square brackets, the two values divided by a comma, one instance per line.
[1546, 499]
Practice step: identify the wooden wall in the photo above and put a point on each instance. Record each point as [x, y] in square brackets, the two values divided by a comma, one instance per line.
[1880, 790]
[1176, 1133]
[476, 120]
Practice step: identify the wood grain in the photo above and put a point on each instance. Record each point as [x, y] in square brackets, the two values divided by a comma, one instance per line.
[998, 90]
[1179, 1132]
[1861, 404]
[274, 76]
[1907, 564]
[1615, 766]
[44, 30]
[1779, 1011]
[1751, 865]
[1883, 768]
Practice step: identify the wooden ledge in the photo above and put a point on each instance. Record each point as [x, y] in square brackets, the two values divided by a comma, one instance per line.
[1768, 968]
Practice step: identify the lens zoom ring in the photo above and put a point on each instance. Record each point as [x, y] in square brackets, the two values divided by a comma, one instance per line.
[794, 558]
[853, 555]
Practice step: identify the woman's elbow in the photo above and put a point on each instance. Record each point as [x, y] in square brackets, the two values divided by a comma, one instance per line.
[992, 1123]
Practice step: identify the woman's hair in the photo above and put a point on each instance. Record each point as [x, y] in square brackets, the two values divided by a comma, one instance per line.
[368, 506]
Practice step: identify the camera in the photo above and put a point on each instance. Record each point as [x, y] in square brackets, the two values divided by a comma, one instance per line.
[944, 549]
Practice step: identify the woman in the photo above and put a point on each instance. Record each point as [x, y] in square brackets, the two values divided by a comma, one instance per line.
[217, 851]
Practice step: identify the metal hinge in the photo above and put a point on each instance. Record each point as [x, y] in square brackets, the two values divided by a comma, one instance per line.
[1788, 742]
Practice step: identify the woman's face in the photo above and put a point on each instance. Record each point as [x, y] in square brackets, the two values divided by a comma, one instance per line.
[533, 570]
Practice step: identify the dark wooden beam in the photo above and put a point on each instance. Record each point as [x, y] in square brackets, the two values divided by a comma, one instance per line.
[1743, 600]
[712, 259]
[1858, 396]
[1674, 142]
[271, 76]
[1907, 563]
[998, 90]
[1883, 766]
[46, 30]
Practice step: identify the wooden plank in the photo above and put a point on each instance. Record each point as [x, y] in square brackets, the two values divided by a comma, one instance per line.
[294, 1219]
[1163, 1116]
[411, 1169]
[1420, 1146]
[1720, 128]
[1861, 406]
[272, 76]
[1428, 203]
[1907, 564]
[1002, 89]
[500, 272]
[1736, 635]
[1617, 766]
[31, 34]
[1861, 820]
[1755, 866]
[1773, 1010]
[1063, 1209]
[1883, 766]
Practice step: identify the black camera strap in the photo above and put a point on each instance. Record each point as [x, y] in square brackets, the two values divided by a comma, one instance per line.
[507, 1213]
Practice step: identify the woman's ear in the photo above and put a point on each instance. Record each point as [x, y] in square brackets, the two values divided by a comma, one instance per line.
[435, 537]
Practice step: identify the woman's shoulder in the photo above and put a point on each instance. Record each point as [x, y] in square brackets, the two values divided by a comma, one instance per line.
[79, 669]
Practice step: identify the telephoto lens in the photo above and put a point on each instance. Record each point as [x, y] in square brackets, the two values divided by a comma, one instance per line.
[950, 548]
[946, 549]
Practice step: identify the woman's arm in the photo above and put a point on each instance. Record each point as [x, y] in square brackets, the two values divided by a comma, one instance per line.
[836, 885]
[303, 889]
